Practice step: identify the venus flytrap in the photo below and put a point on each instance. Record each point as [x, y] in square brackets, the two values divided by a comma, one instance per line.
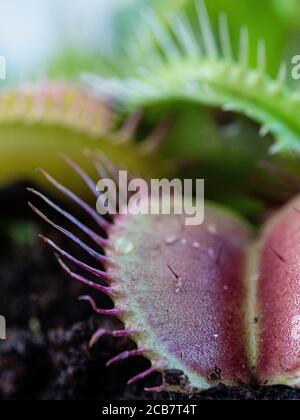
[214, 302]
[206, 70]
[38, 122]
[210, 301]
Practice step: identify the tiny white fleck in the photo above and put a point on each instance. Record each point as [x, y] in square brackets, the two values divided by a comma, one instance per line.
[170, 239]
[212, 229]
[216, 335]
[183, 241]
[196, 244]
[178, 285]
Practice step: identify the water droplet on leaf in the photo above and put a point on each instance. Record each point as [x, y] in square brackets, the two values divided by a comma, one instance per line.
[124, 245]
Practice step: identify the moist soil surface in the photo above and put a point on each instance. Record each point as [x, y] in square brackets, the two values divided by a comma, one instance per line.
[46, 355]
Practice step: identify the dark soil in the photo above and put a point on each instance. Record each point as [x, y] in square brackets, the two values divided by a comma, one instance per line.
[46, 355]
